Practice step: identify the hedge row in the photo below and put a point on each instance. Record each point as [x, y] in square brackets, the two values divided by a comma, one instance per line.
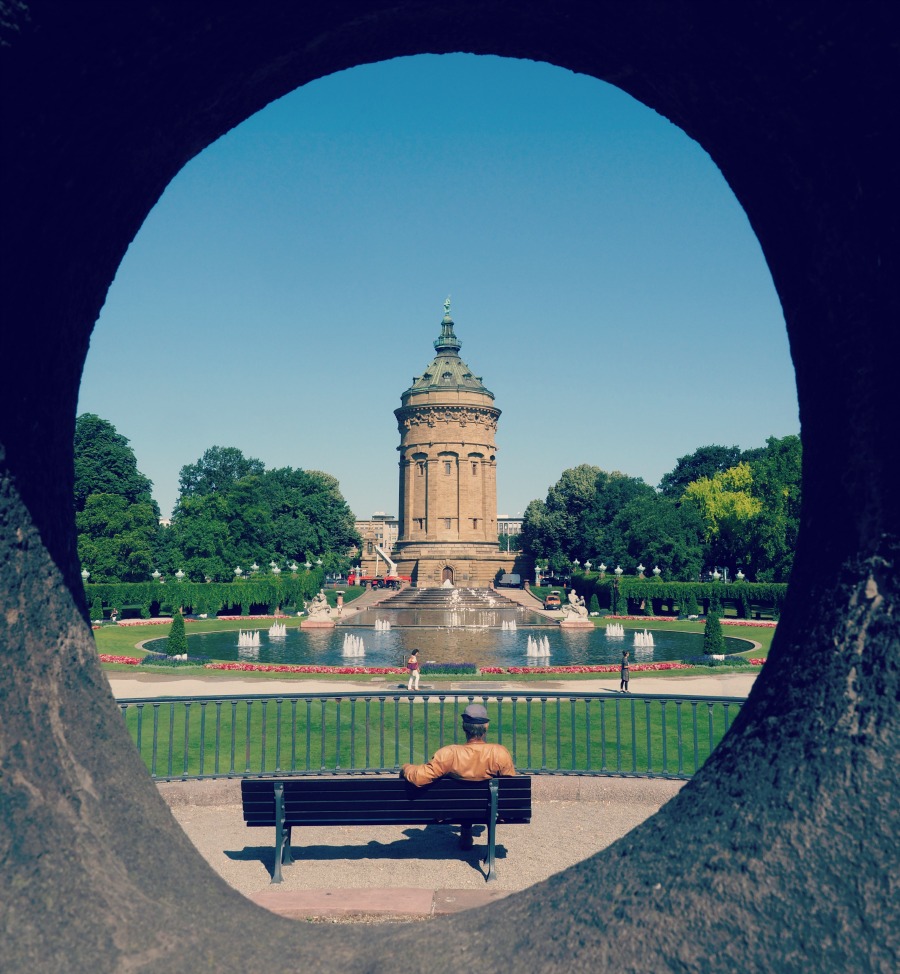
[262, 595]
[652, 597]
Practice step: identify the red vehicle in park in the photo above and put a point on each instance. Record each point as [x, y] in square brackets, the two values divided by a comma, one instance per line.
[389, 580]
[378, 581]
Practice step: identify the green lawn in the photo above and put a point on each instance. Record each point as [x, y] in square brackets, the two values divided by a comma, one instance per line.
[378, 731]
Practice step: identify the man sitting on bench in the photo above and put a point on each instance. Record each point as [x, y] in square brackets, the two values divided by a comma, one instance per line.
[476, 760]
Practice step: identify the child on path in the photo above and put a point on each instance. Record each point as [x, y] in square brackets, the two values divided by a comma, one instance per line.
[412, 664]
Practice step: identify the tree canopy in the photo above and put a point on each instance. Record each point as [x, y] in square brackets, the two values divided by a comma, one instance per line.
[232, 512]
[720, 506]
[106, 464]
[116, 518]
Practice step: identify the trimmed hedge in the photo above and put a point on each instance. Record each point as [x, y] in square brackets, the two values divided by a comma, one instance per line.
[254, 596]
[682, 598]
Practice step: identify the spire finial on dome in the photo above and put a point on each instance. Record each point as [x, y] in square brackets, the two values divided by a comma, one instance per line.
[447, 307]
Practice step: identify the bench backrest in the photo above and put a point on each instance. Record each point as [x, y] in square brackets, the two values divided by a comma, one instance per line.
[384, 801]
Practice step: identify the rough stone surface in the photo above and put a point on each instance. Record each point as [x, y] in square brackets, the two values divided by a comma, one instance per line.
[782, 854]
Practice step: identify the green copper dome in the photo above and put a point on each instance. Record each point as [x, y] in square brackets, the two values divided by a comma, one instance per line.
[448, 371]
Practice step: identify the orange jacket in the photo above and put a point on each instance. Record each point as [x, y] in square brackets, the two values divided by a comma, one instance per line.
[476, 760]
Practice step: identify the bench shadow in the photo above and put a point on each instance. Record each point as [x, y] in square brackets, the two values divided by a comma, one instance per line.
[432, 842]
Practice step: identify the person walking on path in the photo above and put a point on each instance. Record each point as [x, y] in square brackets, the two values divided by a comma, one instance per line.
[623, 672]
[412, 665]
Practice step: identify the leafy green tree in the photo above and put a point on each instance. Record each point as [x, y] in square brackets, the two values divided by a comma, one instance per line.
[773, 533]
[116, 538]
[176, 643]
[713, 640]
[704, 462]
[106, 464]
[655, 530]
[280, 515]
[727, 507]
[97, 609]
[216, 471]
[594, 604]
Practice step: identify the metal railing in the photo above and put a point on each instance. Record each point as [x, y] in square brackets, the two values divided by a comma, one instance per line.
[645, 735]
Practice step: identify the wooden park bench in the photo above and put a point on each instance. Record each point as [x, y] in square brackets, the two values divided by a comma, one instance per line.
[284, 803]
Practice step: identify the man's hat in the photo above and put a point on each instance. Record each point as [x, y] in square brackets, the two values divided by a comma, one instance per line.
[475, 713]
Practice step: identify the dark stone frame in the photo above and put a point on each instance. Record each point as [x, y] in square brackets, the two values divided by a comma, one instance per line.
[782, 853]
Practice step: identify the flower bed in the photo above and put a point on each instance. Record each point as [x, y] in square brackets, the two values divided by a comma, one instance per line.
[325, 670]
[128, 660]
[606, 668]
[758, 623]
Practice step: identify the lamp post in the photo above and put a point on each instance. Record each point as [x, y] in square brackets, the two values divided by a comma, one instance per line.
[618, 574]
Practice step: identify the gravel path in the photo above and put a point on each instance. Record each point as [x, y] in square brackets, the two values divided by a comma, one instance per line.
[572, 820]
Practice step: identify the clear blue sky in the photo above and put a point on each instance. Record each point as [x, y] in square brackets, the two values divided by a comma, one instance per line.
[289, 284]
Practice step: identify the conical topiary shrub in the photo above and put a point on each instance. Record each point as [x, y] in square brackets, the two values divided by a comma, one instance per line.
[97, 609]
[176, 644]
[713, 640]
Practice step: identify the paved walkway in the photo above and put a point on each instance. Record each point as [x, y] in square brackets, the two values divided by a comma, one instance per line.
[391, 872]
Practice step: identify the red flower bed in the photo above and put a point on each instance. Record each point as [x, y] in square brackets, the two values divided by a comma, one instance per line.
[758, 623]
[756, 662]
[129, 660]
[610, 668]
[325, 670]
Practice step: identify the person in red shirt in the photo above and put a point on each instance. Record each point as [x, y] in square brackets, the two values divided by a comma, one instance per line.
[412, 666]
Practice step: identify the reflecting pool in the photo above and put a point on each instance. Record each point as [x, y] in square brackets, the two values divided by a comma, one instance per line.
[483, 647]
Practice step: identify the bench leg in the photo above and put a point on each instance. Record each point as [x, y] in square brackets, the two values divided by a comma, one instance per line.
[280, 833]
[465, 835]
[491, 876]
